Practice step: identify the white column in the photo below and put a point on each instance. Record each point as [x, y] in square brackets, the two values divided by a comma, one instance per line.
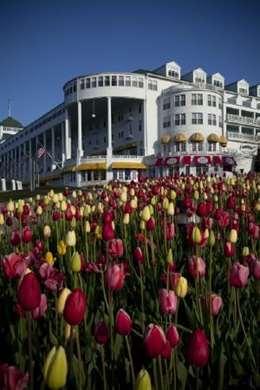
[67, 136]
[63, 151]
[45, 155]
[109, 175]
[53, 166]
[80, 150]
[145, 126]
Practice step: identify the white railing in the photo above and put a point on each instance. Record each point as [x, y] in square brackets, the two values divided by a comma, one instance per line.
[248, 137]
[129, 157]
[243, 120]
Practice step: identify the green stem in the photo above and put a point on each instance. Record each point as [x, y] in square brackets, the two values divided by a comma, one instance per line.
[155, 375]
[29, 323]
[131, 361]
[103, 367]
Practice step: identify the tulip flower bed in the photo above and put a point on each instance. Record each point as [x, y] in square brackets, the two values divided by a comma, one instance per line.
[106, 290]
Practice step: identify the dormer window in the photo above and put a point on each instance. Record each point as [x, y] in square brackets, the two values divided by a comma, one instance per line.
[218, 83]
[173, 73]
[199, 80]
[242, 91]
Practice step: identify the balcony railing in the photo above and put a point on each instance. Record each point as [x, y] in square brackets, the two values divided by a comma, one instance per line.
[240, 136]
[243, 120]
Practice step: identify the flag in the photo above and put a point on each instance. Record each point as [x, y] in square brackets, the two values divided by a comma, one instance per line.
[41, 152]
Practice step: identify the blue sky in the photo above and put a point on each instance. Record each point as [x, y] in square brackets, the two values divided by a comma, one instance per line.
[45, 43]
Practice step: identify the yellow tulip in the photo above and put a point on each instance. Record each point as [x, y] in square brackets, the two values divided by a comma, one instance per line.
[165, 203]
[173, 195]
[170, 210]
[133, 203]
[87, 227]
[142, 225]
[62, 299]
[55, 369]
[49, 258]
[39, 210]
[126, 219]
[67, 331]
[55, 198]
[61, 248]
[46, 231]
[146, 215]
[169, 257]
[196, 235]
[71, 238]
[123, 197]
[76, 262]
[181, 288]
[143, 381]
[2, 219]
[233, 236]
[245, 251]
[211, 239]
[63, 205]
[10, 206]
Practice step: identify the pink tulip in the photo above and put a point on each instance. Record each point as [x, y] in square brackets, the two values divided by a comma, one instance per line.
[138, 255]
[168, 301]
[13, 265]
[115, 277]
[238, 276]
[116, 247]
[255, 269]
[196, 267]
[216, 303]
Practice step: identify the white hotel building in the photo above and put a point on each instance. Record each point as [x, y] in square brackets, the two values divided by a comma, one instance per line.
[116, 125]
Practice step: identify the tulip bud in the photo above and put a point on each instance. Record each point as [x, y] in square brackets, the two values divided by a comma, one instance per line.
[138, 255]
[75, 307]
[238, 276]
[229, 249]
[211, 239]
[46, 231]
[154, 340]
[126, 219]
[123, 323]
[245, 251]
[233, 236]
[143, 380]
[27, 234]
[168, 301]
[67, 331]
[172, 335]
[108, 232]
[62, 300]
[196, 235]
[170, 210]
[76, 262]
[181, 288]
[165, 204]
[198, 348]
[71, 238]
[169, 258]
[216, 304]
[2, 219]
[146, 215]
[115, 277]
[39, 210]
[101, 333]
[56, 368]
[196, 267]
[173, 195]
[142, 225]
[29, 293]
[10, 206]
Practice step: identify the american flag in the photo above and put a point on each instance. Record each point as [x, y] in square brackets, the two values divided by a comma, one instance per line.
[41, 152]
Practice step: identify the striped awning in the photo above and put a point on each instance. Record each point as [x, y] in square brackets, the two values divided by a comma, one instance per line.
[222, 140]
[197, 137]
[213, 137]
[128, 165]
[179, 137]
[165, 138]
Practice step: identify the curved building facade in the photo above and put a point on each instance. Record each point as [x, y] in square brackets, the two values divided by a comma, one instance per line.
[119, 125]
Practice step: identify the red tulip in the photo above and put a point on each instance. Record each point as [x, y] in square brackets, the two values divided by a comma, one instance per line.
[123, 323]
[75, 307]
[231, 202]
[27, 234]
[255, 269]
[13, 265]
[198, 348]
[101, 333]
[116, 247]
[108, 232]
[154, 341]
[196, 267]
[138, 255]
[172, 335]
[15, 238]
[150, 224]
[29, 293]
[68, 214]
[115, 277]
[170, 231]
[108, 217]
[56, 215]
[238, 275]
[166, 351]
[168, 301]
[229, 249]
[216, 304]
[203, 209]
[11, 378]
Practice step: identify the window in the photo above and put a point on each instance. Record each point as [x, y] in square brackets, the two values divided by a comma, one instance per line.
[197, 99]
[218, 83]
[100, 81]
[114, 80]
[177, 101]
[173, 73]
[199, 79]
[243, 91]
[140, 82]
[134, 82]
[177, 119]
[183, 100]
[247, 130]
[197, 118]
[107, 81]
[214, 101]
[140, 126]
[121, 81]
[128, 81]
[214, 120]
[82, 84]
[152, 84]
[167, 122]
[166, 104]
[212, 147]
[209, 118]
[183, 119]
[140, 108]
[209, 100]
[93, 82]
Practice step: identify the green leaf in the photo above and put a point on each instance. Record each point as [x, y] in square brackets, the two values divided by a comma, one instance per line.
[222, 363]
[182, 374]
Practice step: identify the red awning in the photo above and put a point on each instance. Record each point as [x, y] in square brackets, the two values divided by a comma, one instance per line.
[202, 160]
[216, 160]
[159, 162]
[186, 160]
[172, 161]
